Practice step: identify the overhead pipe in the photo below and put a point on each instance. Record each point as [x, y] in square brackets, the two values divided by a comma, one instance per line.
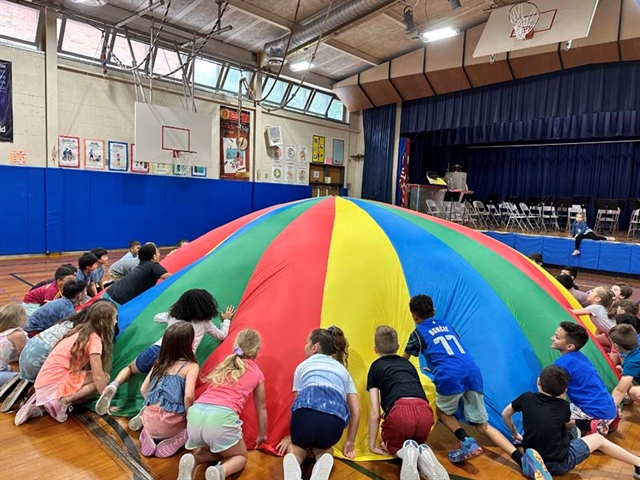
[341, 16]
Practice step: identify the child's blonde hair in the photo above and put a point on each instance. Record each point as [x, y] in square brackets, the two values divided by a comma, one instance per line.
[606, 300]
[12, 315]
[247, 345]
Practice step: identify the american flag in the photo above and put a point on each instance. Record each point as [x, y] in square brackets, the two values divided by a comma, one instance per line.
[403, 181]
[103, 56]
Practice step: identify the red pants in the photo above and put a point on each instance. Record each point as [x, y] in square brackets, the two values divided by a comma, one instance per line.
[408, 419]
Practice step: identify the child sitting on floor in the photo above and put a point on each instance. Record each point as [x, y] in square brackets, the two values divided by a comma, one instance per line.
[544, 417]
[601, 308]
[592, 408]
[73, 292]
[213, 423]
[625, 340]
[621, 291]
[455, 376]
[13, 319]
[97, 275]
[393, 382]
[195, 306]
[64, 378]
[37, 297]
[169, 390]
[87, 265]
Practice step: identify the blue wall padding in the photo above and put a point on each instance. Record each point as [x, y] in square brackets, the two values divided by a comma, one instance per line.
[53, 209]
[594, 255]
[22, 213]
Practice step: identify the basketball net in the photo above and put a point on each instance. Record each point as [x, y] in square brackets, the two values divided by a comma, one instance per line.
[183, 160]
[524, 18]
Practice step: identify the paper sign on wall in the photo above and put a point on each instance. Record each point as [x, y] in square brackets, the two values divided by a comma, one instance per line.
[18, 157]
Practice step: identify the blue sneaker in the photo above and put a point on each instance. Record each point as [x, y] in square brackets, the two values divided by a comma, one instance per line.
[533, 466]
[469, 448]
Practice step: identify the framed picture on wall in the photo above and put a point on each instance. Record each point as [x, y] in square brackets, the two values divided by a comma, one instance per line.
[198, 171]
[68, 152]
[161, 168]
[180, 170]
[136, 165]
[118, 156]
[93, 154]
[338, 152]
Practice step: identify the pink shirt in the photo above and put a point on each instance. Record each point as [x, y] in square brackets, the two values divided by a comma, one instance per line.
[43, 294]
[234, 395]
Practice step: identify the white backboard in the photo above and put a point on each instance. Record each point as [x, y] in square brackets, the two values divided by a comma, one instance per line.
[159, 131]
[560, 21]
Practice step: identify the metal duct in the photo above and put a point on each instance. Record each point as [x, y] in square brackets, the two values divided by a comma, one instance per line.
[340, 16]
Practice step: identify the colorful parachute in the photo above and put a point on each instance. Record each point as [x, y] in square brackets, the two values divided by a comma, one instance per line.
[354, 263]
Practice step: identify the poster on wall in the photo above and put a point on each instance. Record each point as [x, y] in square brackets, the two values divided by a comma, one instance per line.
[68, 152]
[136, 165]
[318, 149]
[93, 154]
[6, 102]
[235, 156]
[302, 167]
[277, 173]
[290, 174]
[302, 154]
[198, 171]
[338, 152]
[18, 157]
[118, 156]
[291, 151]
[161, 168]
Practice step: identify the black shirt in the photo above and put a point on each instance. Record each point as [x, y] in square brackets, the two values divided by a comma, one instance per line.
[396, 378]
[544, 419]
[139, 280]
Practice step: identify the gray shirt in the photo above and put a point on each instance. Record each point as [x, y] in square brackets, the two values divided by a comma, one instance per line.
[122, 267]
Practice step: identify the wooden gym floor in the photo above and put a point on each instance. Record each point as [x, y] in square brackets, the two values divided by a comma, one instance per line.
[88, 446]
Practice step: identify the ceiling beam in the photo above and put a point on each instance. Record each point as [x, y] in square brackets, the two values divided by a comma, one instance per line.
[364, 57]
[261, 14]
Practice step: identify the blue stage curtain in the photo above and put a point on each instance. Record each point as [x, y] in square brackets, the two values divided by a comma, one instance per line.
[595, 101]
[598, 170]
[377, 172]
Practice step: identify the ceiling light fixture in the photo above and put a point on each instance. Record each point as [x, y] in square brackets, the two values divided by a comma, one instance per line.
[139, 14]
[439, 34]
[90, 3]
[300, 66]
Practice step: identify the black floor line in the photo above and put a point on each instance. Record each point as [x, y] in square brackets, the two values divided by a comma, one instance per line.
[18, 277]
[128, 455]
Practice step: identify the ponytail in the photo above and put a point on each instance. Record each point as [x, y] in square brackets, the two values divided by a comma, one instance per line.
[332, 342]
[246, 346]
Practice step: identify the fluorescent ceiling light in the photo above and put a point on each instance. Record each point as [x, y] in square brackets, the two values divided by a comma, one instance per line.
[90, 3]
[299, 66]
[439, 34]
[135, 16]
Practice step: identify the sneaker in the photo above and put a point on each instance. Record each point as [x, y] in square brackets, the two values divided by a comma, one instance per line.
[598, 426]
[135, 423]
[186, 467]
[574, 432]
[27, 411]
[104, 402]
[213, 473]
[291, 467]
[469, 448]
[576, 252]
[615, 423]
[147, 445]
[17, 394]
[429, 466]
[57, 410]
[170, 446]
[611, 239]
[533, 466]
[409, 455]
[322, 468]
[8, 386]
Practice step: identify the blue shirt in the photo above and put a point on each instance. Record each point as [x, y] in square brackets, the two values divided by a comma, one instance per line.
[84, 277]
[49, 314]
[586, 389]
[97, 274]
[453, 369]
[631, 365]
[579, 227]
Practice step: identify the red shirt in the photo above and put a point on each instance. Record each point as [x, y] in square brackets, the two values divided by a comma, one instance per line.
[43, 294]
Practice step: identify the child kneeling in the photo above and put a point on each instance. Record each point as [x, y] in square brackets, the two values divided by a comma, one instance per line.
[393, 382]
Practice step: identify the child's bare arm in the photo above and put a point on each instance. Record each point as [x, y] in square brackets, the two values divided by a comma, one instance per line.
[260, 401]
[507, 415]
[190, 385]
[348, 449]
[625, 383]
[374, 421]
[100, 377]
[144, 389]
[581, 311]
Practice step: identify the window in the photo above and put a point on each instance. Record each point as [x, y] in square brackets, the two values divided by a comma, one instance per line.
[231, 82]
[320, 103]
[277, 94]
[167, 61]
[336, 110]
[18, 22]
[122, 52]
[82, 39]
[59, 28]
[207, 73]
[301, 96]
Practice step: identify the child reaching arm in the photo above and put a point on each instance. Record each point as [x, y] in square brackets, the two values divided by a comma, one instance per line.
[600, 308]
[625, 340]
[213, 423]
[169, 390]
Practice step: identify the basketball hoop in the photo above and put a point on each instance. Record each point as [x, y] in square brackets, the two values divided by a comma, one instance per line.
[524, 18]
[183, 162]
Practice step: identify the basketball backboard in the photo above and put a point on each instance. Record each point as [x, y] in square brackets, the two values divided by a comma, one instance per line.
[161, 131]
[559, 21]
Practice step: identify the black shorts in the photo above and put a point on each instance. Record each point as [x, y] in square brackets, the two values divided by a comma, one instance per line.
[313, 429]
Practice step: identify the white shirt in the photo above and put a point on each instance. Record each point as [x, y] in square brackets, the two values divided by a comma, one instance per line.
[600, 317]
[323, 371]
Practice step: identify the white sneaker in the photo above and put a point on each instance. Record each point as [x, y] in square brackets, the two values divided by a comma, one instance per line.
[611, 239]
[104, 402]
[291, 467]
[576, 252]
[322, 468]
[213, 473]
[135, 423]
[429, 465]
[186, 467]
[409, 455]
